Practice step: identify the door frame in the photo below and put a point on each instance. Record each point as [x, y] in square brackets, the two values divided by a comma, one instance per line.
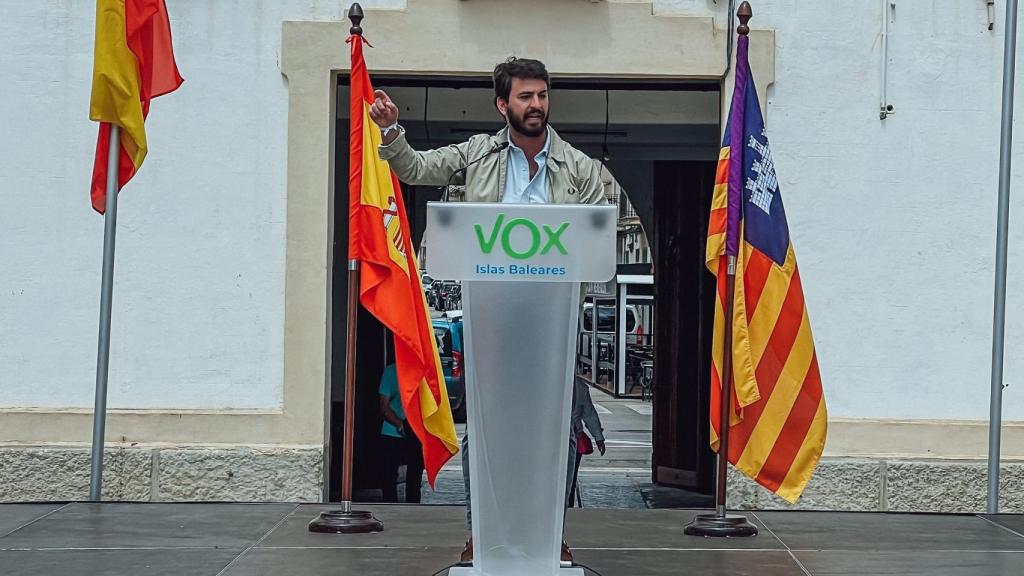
[313, 53]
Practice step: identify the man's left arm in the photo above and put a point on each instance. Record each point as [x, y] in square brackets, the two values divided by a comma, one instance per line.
[590, 418]
[591, 185]
[593, 422]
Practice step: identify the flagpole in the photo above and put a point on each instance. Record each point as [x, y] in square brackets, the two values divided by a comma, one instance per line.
[724, 415]
[999, 312]
[351, 323]
[719, 523]
[99, 416]
[347, 520]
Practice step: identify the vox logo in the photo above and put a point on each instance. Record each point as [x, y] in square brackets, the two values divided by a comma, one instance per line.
[538, 242]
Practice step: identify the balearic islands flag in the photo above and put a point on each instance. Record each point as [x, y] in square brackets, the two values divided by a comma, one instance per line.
[134, 63]
[778, 424]
[390, 286]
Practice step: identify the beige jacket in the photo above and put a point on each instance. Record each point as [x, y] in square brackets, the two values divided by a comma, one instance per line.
[573, 177]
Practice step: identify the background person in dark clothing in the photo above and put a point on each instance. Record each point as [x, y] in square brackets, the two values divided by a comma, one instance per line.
[400, 443]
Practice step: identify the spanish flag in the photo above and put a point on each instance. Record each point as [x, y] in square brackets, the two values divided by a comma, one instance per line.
[390, 286]
[779, 420]
[134, 63]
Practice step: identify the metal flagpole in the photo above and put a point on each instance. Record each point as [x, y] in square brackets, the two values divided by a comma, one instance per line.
[999, 313]
[347, 520]
[99, 417]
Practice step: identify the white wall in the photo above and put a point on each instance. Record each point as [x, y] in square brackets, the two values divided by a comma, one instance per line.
[894, 221]
[199, 288]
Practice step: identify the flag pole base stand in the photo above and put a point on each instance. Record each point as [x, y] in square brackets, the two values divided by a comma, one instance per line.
[713, 525]
[342, 522]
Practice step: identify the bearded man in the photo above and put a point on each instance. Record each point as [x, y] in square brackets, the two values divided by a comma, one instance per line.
[526, 162]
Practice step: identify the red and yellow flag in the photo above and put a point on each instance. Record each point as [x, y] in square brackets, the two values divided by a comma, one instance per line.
[134, 63]
[779, 420]
[390, 286]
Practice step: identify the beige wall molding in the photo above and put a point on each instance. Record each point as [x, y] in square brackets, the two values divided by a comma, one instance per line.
[940, 439]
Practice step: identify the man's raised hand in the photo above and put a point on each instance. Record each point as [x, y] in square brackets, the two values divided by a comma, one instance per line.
[383, 111]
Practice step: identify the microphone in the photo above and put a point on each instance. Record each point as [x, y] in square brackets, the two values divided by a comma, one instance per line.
[498, 148]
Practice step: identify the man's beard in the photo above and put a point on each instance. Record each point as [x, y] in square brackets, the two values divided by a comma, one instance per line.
[519, 123]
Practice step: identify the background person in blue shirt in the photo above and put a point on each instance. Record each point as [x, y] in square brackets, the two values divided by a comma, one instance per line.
[400, 443]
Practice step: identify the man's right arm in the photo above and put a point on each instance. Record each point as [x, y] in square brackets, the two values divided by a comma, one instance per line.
[429, 168]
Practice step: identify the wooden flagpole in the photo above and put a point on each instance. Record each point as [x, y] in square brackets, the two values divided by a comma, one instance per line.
[347, 520]
[719, 523]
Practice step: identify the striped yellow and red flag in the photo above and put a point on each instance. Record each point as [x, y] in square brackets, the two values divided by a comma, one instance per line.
[134, 63]
[390, 286]
[779, 421]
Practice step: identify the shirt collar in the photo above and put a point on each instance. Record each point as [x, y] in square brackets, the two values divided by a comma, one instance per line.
[543, 151]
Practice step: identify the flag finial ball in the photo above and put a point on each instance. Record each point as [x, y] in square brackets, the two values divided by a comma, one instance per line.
[355, 14]
[744, 13]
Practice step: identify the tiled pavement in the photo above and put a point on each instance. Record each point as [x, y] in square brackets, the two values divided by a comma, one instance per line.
[615, 534]
[598, 489]
[621, 479]
[114, 539]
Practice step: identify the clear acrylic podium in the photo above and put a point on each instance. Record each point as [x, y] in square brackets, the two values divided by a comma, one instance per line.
[521, 266]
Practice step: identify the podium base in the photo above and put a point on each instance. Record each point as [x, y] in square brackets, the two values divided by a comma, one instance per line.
[342, 522]
[719, 527]
[470, 571]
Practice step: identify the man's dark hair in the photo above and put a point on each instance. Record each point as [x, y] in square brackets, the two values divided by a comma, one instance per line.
[521, 68]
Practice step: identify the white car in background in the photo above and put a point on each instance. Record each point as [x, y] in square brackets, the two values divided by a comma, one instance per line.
[427, 281]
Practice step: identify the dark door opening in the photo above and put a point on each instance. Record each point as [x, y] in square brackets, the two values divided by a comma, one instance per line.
[665, 169]
[684, 290]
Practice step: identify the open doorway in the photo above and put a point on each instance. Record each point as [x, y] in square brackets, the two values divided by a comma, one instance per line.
[660, 140]
[685, 293]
